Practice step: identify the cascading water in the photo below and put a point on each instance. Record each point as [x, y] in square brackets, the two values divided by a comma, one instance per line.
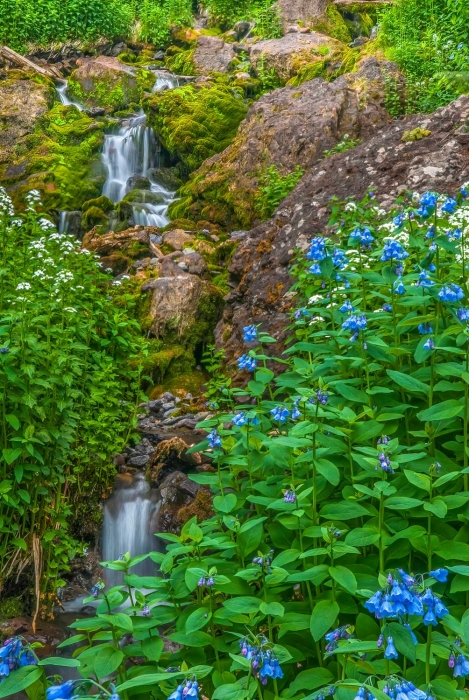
[130, 521]
[135, 151]
[64, 98]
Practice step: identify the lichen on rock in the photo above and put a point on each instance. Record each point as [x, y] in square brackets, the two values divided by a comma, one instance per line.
[104, 82]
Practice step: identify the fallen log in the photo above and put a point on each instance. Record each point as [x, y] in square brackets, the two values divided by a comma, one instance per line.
[12, 57]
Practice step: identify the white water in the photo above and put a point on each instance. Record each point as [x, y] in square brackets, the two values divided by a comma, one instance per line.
[130, 521]
[65, 99]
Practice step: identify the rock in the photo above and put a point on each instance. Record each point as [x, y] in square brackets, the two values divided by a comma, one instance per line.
[359, 41]
[176, 492]
[212, 55]
[156, 239]
[383, 163]
[241, 29]
[288, 127]
[159, 56]
[138, 460]
[137, 182]
[118, 49]
[22, 104]
[177, 239]
[169, 456]
[286, 55]
[95, 111]
[305, 11]
[104, 82]
[242, 76]
[175, 303]
[117, 250]
[167, 177]
[73, 223]
[194, 262]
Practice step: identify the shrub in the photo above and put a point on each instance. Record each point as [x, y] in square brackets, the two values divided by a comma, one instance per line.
[274, 187]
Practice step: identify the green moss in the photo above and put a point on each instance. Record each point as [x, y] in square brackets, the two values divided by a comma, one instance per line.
[111, 90]
[58, 159]
[196, 121]
[415, 135]
[10, 608]
[334, 25]
[94, 216]
[102, 202]
[181, 62]
[145, 80]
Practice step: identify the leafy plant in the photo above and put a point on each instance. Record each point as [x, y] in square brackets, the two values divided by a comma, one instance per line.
[275, 187]
[336, 561]
[345, 144]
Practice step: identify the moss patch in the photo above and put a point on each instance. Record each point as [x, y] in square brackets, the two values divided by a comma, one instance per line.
[181, 62]
[415, 135]
[57, 159]
[194, 122]
[110, 89]
[334, 25]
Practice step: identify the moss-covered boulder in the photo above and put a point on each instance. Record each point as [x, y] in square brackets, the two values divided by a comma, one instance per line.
[196, 121]
[60, 158]
[104, 82]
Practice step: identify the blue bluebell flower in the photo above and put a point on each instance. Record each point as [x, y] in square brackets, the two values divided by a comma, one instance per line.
[440, 575]
[250, 333]
[214, 439]
[289, 496]
[97, 588]
[454, 234]
[463, 314]
[339, 258]
[431, 233]
[387, 307]
[423, 212]
[280, 413]
[332, 638]
[115, 696]
[355, 322]
[425, 279]
[347, 307]
[398, 220]
[247, 362]
[317, 250]
[425, 329]
[429, 344]
[411, 632]
[429, 199]
[461, 667]
[4, 350]
[464, 191]
[398, 287]
[60, 692]
[393, 250]
[450, 206]
[362, 236]
[390, 651]
[191, 690]
[360, 693]
[315, 269]
[239, 419]
[146, 612]
[302, 312]
[296, 413]
[451, 293]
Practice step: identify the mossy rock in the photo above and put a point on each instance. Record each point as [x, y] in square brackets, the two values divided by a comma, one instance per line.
[333, 24]
[104, 82]
[94, 216]
[180, 62]
[194, 122]
[103, 203]
[145, 80]
[184, 224]
[144, 197]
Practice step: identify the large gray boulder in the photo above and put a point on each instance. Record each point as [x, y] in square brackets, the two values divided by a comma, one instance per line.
[212, 54]
[384, 163]
[304, 11]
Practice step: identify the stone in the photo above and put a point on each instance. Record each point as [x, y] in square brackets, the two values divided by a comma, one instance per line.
[177, 239]
[176, 492]
[212, 54]
[287, 54]
[167, 177]
[241, 29]
[383, 163]
[22, 104]
[104, 82]
[169, 456]
[138, 460]
[359, 41]
[174, 303]
[128, 244]
[137, 182]
[304, 11]
[288, 127]
[95, 111]
[195, 263]
[159, 56]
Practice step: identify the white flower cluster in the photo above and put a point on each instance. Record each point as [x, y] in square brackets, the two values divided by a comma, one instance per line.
[6, 205]
[24, 285]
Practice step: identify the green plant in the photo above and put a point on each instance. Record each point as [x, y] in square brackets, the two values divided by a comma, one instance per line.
[336, 559]
[268, 77]
[217, 389]
[274, 187]
[64, 363]
[267, 20]
[345, 144]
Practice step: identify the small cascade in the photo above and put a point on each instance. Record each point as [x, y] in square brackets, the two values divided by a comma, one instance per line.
[63, 221]
[164, 81]
[130, 521]
[64, 98]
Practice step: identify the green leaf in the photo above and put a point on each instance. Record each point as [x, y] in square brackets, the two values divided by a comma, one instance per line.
[422, 481]
[407, 382]
[107, 660]
[402, 503]
[13, 421]
[275, 609]
[19, 680]
[226, 503]
[120, 620]
[324, 615]
[249, 536]
[194, 639]
[59, 661]
[328, 470]
[344, 577]
[403, 641]
[351, 393]
[311, 679]
[459, 551]
[362, 537]
[198, 619]
[229, 691]
[243, 604]
[343, 511]
[152, 648]
[438, 507]
[441, 411]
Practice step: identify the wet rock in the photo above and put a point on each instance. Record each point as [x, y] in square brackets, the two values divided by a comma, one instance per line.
[104, 82]
[359, 41]
[95, 111]
[167, 177]
[118, 49]
[138, 460]
[23, 103]
[383, 163]
[286, 54]
[241, 29]
[177, 239]
[169, 456]
[181, 499]
[118, 248]
[137, 182]
[194, 263]
[159, 56]
[212, 55]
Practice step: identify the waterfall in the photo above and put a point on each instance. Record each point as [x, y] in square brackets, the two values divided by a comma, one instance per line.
[64, 98]
[130, 521]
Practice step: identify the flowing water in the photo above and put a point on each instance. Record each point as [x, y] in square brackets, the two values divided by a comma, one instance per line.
[64, 98]
[130, 523]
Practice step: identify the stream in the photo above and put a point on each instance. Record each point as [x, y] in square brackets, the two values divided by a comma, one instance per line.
[133, 151]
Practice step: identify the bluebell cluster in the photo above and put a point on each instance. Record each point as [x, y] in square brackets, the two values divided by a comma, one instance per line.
[189, 689]
[451, 292]
[427, 204]
[263, 559]
[398, 220]
[14, 655]
[450, 206]
[317, 250]
[289, 496]
[398, 287]
[355, 322]
[362, 236]
[463, 314]
[207, 581]
[425, 329]
[339, 258]
[242, 418]
[263, 660]
[387, 307]
[280, 413]
[250, 334]
[332, 638]
[398, 689]
[393, 250]
[401, 597]
[321, 397]
[325, 693]
[384, 463]
[454, 234]
[214, 439]
[97, 588]
[302, 312]
[424, 279]
[347, 307]
[431, 233]
[459, 664]
[146, 612]
[61, 692]
[247, 362]
[364, 694]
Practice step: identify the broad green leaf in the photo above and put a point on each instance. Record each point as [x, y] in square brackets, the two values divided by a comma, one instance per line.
[402, 503]
[311, 679]
[59, 661]
[407, 382]
[441, 411]
[107, 660]
[226, 503]
[362, 537]
[198, 619]
[422, 481]
[344, 577]
[19, 680]
[275, 609]
[343, 511]
[323, 617]
[403, 641]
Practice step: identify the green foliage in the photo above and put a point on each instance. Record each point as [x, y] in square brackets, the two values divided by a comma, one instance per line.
[196, 121]
[156, 17]
[345, 469]
[64, 365]
[268, 77]
[427, 39]
[346, 144]
[263, 13]
[217, 388]
[274, 187]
